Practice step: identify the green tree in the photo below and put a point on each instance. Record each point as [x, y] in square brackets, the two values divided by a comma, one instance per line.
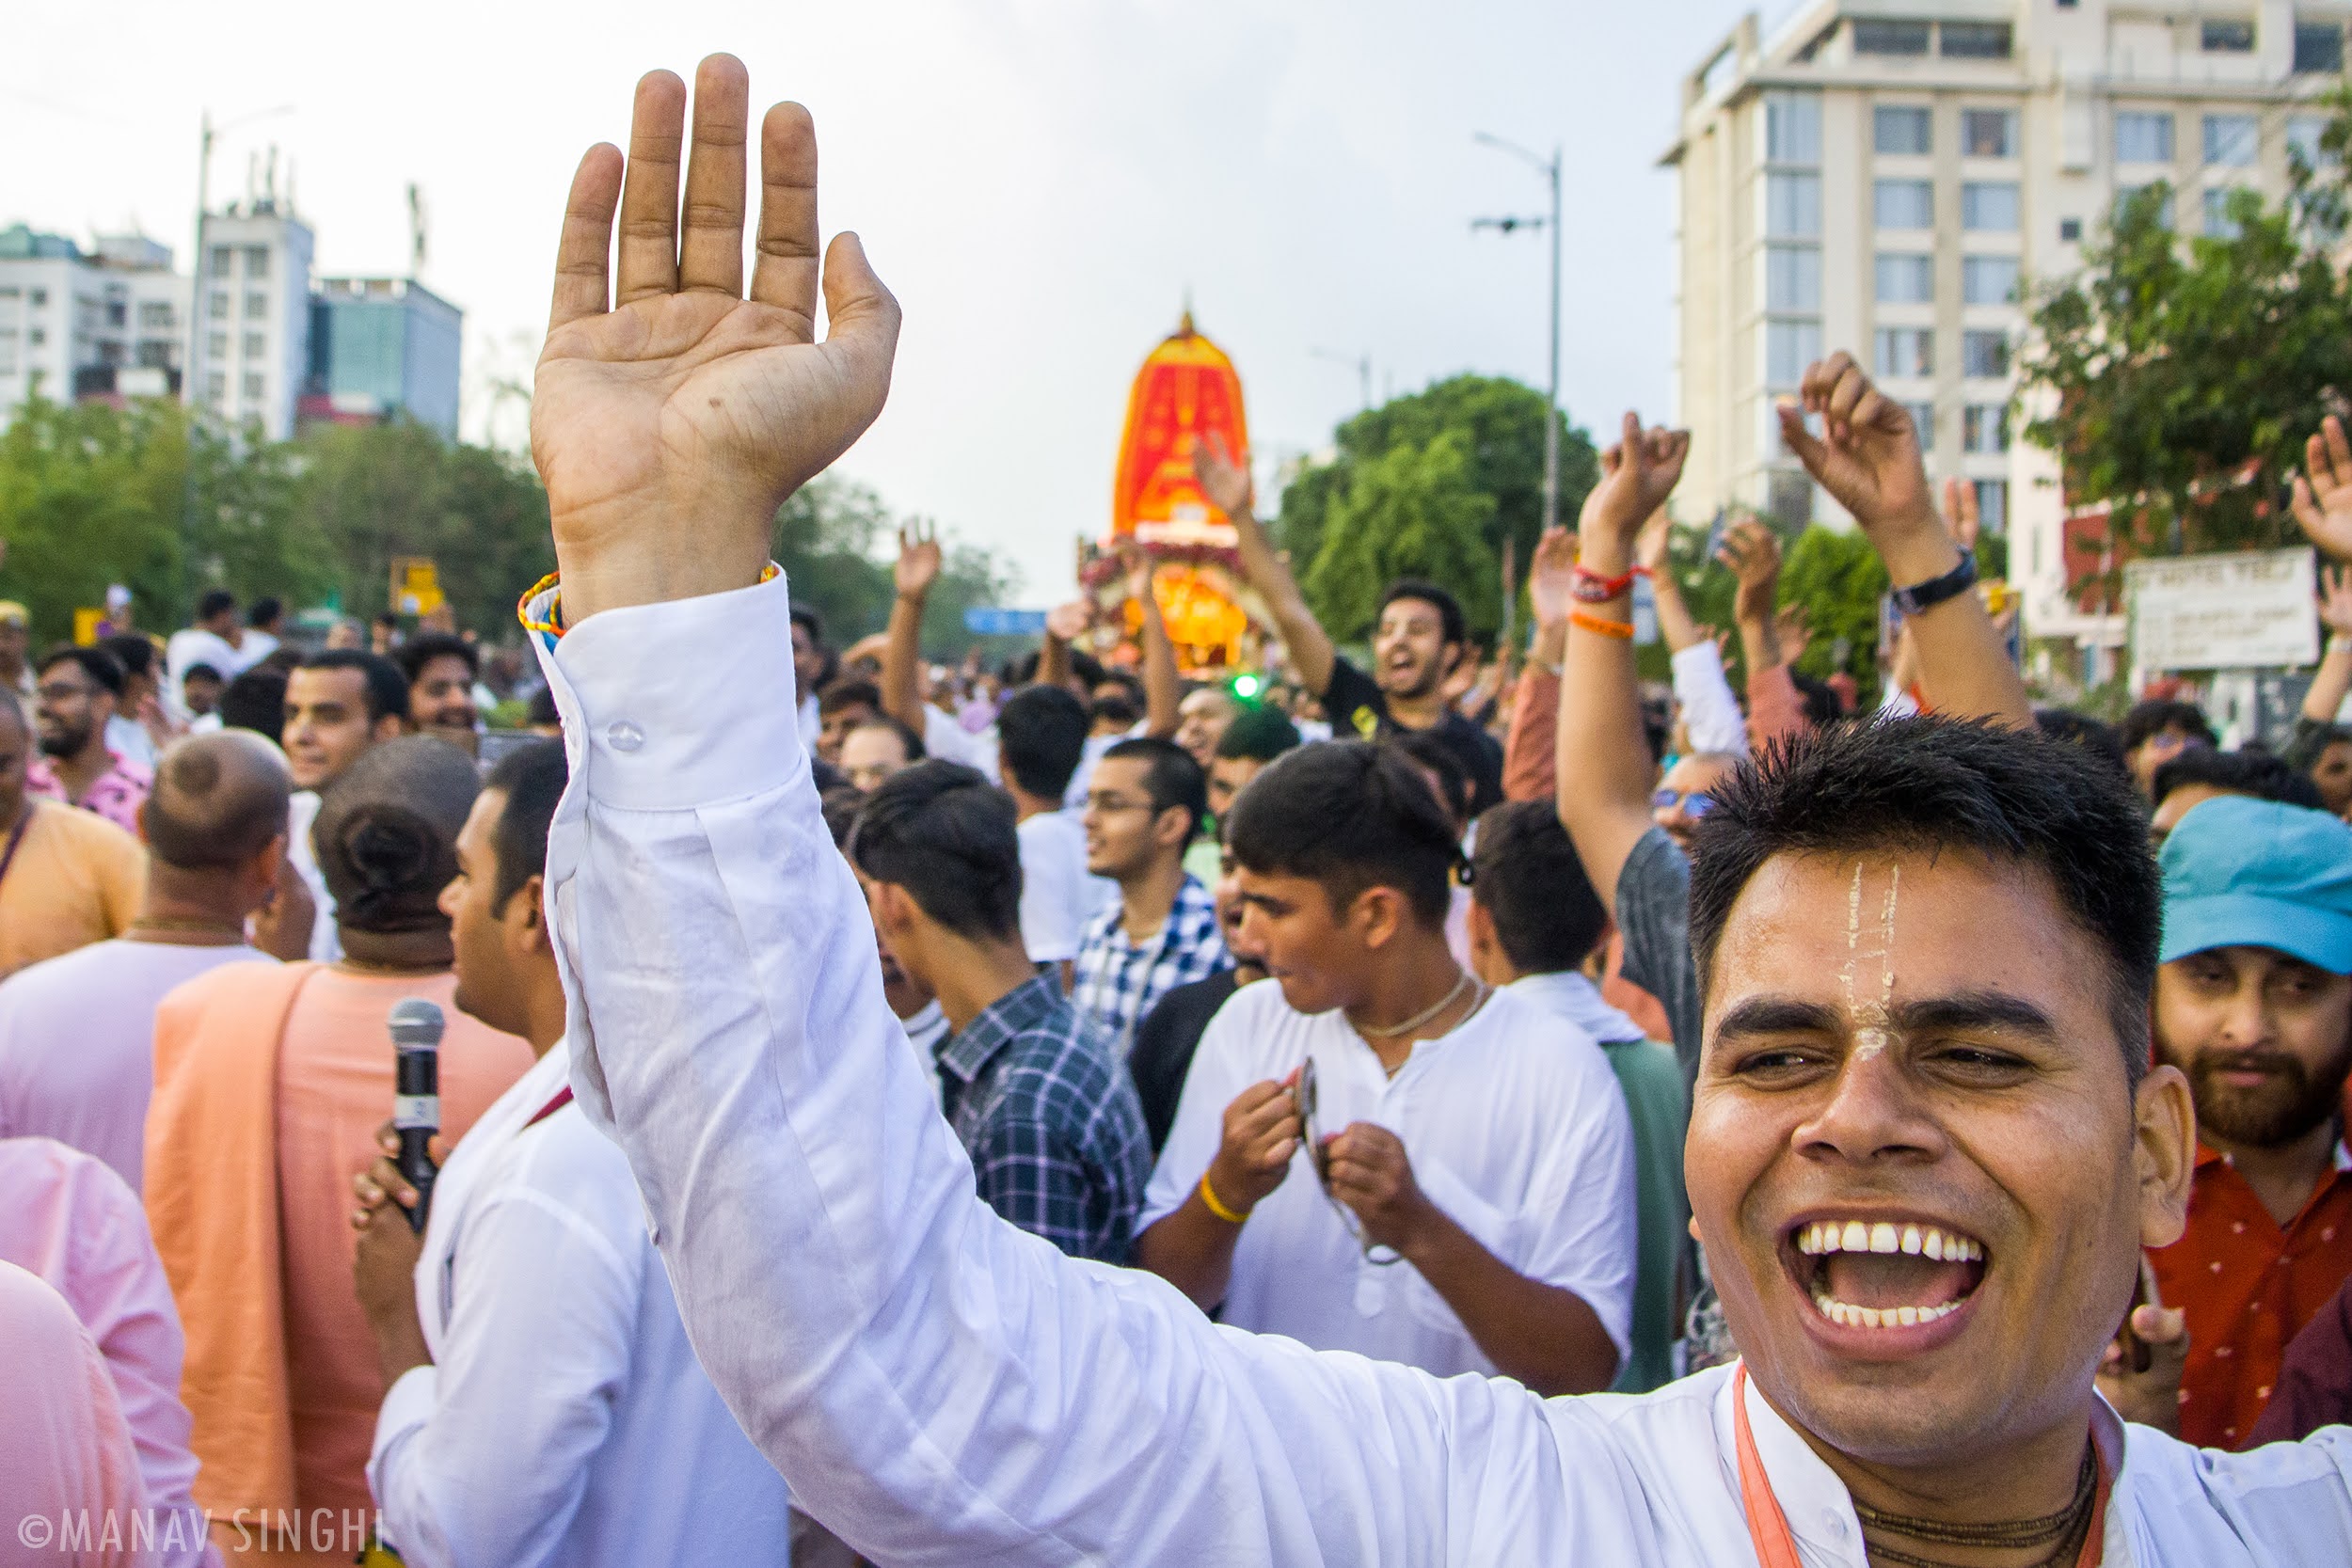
[1495, 426]
[1413, 511]
[2181, 377]
[836, 540]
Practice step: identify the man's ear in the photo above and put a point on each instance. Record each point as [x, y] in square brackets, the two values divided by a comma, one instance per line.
[530, 927]
[265, 865]
[391, 727]
[1378, 916]
[2164, 1155]
[1172, 827]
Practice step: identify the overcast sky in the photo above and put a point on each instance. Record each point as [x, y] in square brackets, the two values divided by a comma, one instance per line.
[1040, 181]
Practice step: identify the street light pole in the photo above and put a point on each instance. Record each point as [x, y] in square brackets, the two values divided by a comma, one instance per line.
[1550, 169]
[1362, 363]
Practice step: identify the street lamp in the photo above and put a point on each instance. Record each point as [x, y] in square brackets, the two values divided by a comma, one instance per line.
[1362, 363]
[1550, 169]
[208, 134]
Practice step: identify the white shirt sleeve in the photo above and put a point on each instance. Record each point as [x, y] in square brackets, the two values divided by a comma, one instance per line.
[1709, 711]
[1580, 1199]
[936, 1386]
[484, 1457]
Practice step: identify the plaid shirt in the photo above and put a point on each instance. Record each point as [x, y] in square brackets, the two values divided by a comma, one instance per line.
[1050, 1120]
[1118, 981]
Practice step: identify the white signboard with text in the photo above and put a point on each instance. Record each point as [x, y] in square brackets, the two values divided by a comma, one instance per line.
[2242, 609]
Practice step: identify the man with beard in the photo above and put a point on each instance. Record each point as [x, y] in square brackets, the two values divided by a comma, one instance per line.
[2254, 1002]
[441, 667]
[1420, 639]
[77, 692]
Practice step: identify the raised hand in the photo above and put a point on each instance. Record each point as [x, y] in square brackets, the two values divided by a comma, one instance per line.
[1224, 478]
[1637, 475]
[2323, 491]
[1795, 628]
[1552, 576]
[1650, 548]
[670, 421]
[1868, 455]
[1960, 515]
[1751, 551]
[919, 560]
[1067, 623]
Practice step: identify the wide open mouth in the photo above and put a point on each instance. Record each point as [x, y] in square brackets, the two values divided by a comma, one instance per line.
[1884, 1272]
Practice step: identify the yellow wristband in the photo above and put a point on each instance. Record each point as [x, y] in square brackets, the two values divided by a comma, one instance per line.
[1208, 1195]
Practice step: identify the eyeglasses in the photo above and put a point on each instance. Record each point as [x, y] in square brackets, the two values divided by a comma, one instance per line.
[1305, 1098]
[63, 691]
[1693, 802]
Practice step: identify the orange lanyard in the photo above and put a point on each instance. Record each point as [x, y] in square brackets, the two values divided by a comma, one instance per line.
[1767, 1527]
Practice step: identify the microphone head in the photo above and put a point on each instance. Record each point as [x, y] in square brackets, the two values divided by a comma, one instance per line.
[416, 1024]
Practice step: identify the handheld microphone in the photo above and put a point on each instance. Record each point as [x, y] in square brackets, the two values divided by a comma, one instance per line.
[416, 1026]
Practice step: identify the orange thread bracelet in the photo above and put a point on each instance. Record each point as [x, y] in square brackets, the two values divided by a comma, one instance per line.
[1621, 631]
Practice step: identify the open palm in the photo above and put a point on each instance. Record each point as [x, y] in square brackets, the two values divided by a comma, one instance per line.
[672, 415]
[2323, 491]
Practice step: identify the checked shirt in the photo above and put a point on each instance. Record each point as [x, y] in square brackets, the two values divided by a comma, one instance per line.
[1050, 1120]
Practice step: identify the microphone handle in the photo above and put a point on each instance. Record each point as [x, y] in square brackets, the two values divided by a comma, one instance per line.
[418, 1170]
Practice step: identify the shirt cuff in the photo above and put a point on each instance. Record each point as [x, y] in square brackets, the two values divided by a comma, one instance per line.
[407, 1406]
[683, 704]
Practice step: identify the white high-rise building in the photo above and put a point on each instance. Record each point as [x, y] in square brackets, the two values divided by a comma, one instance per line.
[251, 350]
[105, 323]
[1879, 176]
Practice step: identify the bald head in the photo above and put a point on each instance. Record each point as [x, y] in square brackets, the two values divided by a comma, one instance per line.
[218, 801]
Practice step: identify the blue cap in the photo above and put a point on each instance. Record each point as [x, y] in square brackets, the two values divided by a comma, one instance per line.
[2245, 873]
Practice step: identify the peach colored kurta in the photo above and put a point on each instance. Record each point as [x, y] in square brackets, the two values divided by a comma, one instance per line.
[270, 1086]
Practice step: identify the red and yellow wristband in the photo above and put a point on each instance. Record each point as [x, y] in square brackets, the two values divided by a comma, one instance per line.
[552, 624]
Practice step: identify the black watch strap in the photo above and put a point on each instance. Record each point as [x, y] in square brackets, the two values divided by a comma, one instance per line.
[1927, 595]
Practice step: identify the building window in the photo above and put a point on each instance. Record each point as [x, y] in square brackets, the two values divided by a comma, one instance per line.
[217, 344]
[256, 305]
[2069, 230]
[1984, 355]
[2143, 138]
[36, 336]
[253, 386]
[2303, 136]
[255, 345]
[1923, 420]
[1789, 346]
[1875, 36]
[154, 312]
[1985, 428]
[1903, 204]
[1988, 133]
[1988, 279]
[1989, 207]
[2231, 141]
[7, 354]
[118, 312]
[1975, 40]
[37, 298]
[1901, 132]
[1993, 504]
[1906, 280]
[1906, 351]
[257, 260]
[2318, 48]
[216, 387]
[1792, 128]
[224, 260]
[1793, 206]
[155, 353]
[1792, 277]
[220, 304]
[2226, 36]
[2220, 224]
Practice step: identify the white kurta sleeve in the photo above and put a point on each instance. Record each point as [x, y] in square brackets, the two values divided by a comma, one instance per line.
[937, 1386]
[1710, 712]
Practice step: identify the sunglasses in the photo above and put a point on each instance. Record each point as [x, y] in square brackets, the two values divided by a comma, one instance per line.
[1307, 1100]
[1693, 802]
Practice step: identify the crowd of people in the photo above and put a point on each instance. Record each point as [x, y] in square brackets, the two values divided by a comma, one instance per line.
[909, 1114]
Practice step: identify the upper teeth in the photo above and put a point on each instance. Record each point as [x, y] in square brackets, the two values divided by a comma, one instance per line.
[1923, 1241]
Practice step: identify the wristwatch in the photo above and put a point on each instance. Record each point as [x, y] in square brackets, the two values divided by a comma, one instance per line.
[1927, 595]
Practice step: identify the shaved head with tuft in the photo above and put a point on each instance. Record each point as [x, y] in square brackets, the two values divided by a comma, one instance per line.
[218, 801]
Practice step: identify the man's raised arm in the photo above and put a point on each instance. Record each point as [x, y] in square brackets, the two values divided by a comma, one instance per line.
[911, 580]
[1867, 457]
[1224, 479]
[938, 1387]
[1605, 770]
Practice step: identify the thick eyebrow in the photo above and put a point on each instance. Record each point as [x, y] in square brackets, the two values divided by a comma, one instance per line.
[1779, 1015]
[1976, 1010]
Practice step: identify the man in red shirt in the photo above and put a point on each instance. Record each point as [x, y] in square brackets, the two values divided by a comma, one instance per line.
[2254, 1002]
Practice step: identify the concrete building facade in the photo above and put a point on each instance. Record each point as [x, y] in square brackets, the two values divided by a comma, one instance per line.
[106, 322]
[1888, 176]
[252, 352]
